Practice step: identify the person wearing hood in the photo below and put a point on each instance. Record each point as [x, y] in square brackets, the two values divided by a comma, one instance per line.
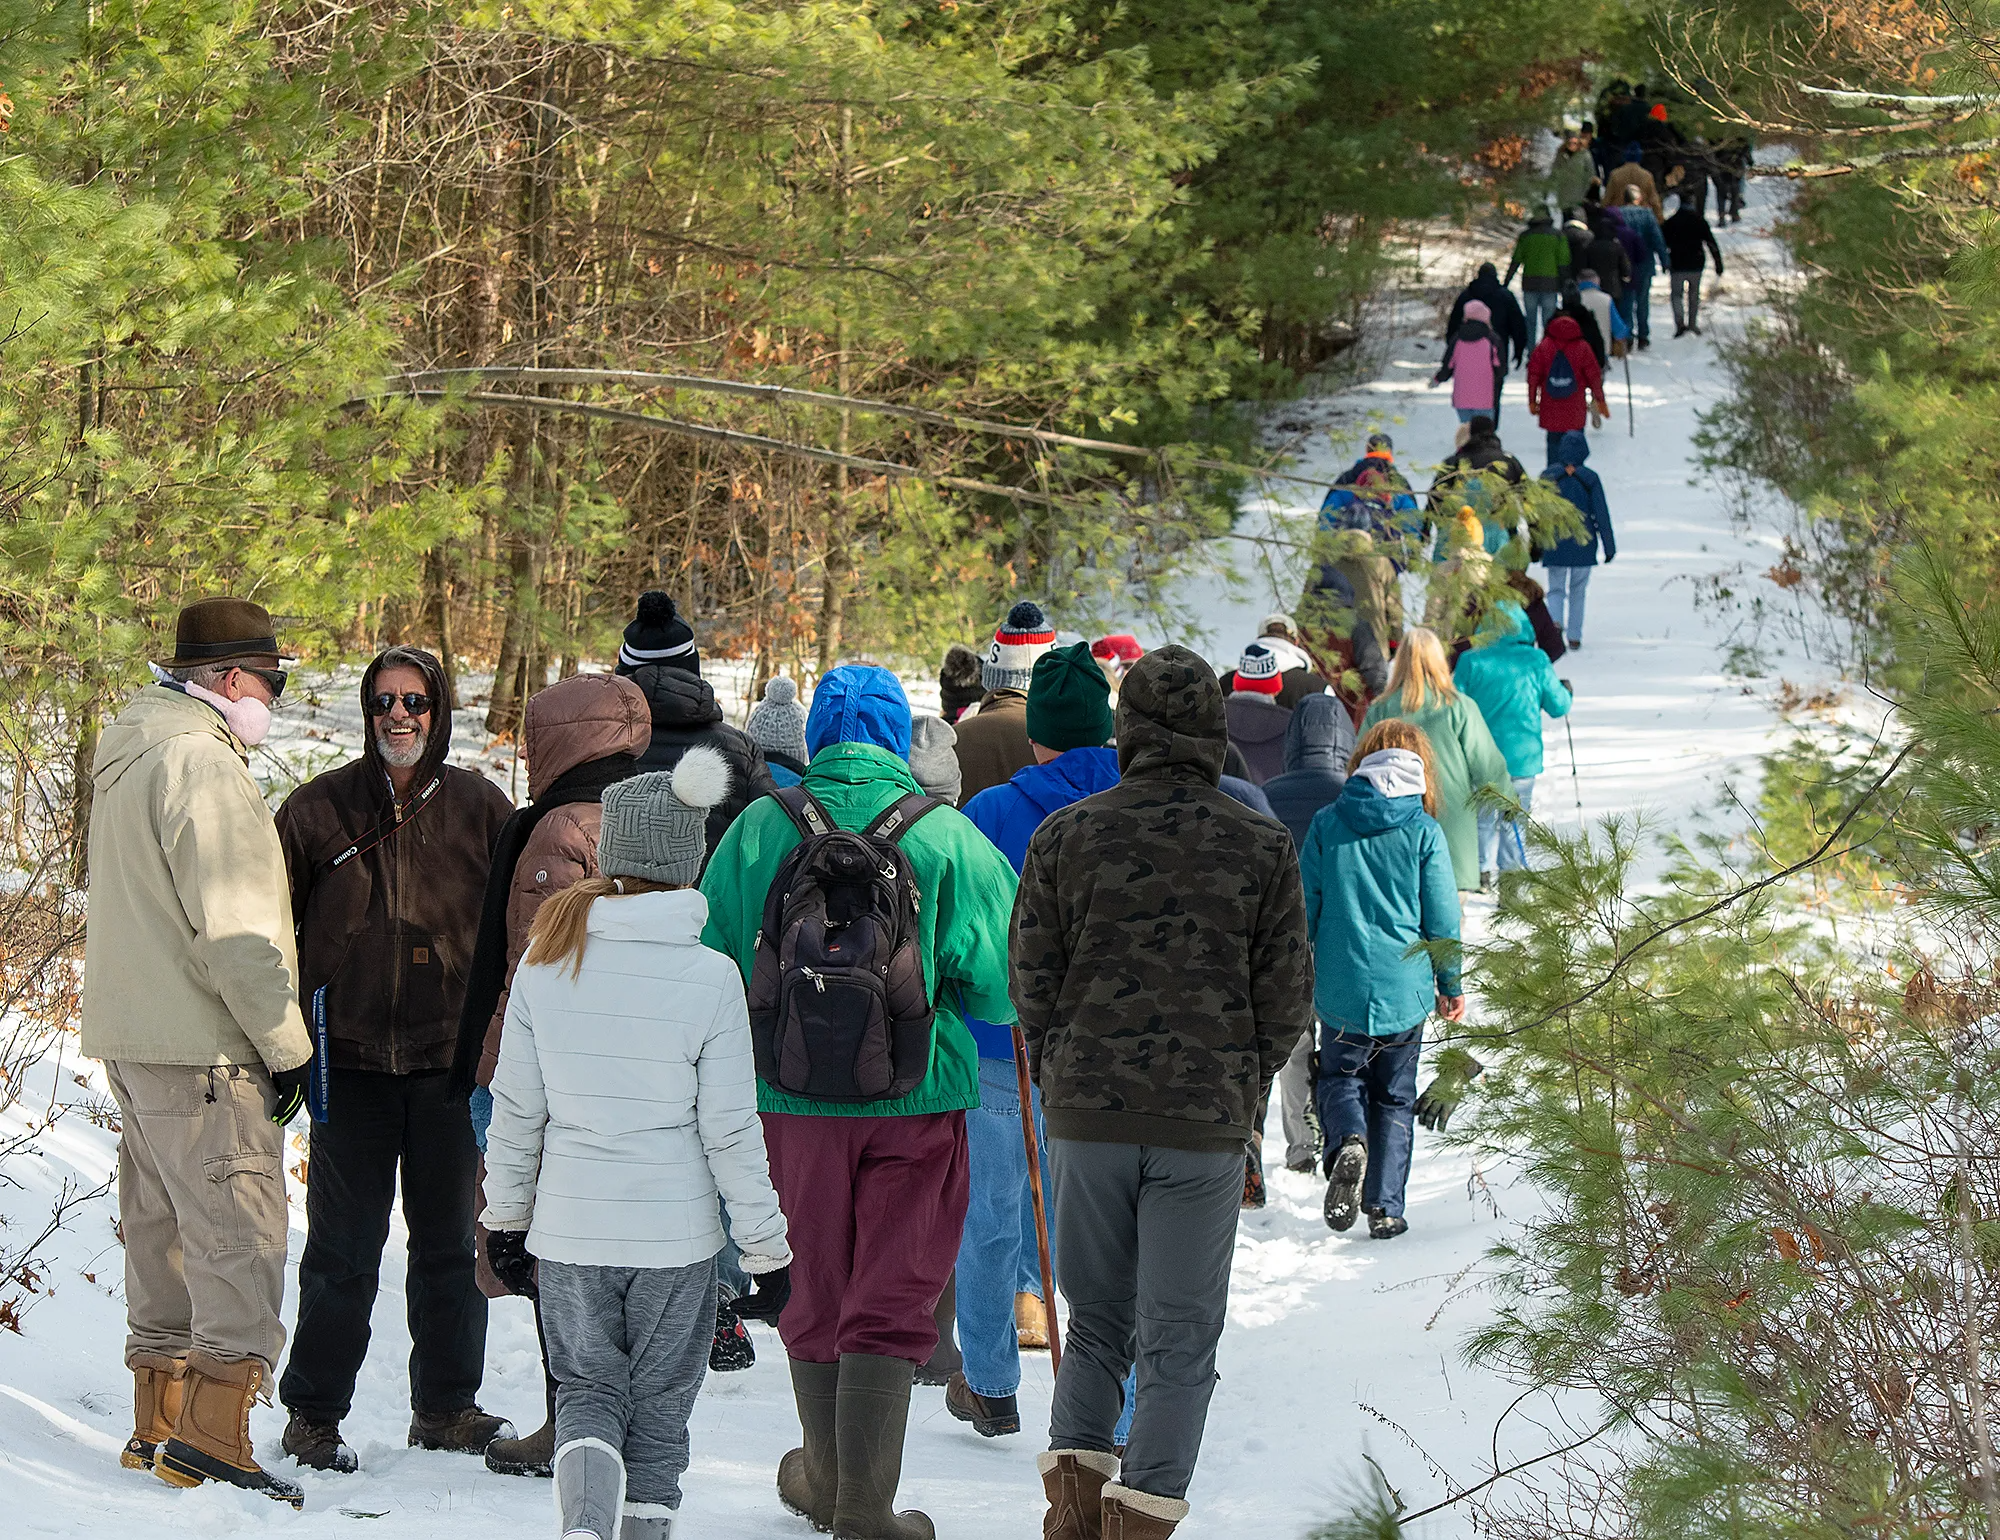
[993, 741]
[580, 736]
[1256, 720]
[1514, 685]
[1565, 383]
[1574, 307]
[875, 1190]
[190, 998]
[388, 857]
[1607, 321]
[1475, 361]
[1645, 228]
[1690, 242]
[999, 1284]
[1541, 257]
[1570, 561]
[1162, 976]
[1608, 258]
[1478, 475]
[1384, 921]
[1503, 311]
[777, 725]
[1633, 174]
[658, 654]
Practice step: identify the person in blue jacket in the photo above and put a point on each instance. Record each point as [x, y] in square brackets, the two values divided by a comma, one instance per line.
[1514, 685]
[1653, 256]
[1569, 561]
[1069, 721]
[1379, 884]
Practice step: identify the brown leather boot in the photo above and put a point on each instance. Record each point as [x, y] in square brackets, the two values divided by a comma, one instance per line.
[1073, 1480]
[211, 1438]
[1130, 1515]
[157, 1382]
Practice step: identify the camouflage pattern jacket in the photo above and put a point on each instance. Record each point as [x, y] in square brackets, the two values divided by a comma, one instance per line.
[1160, 964]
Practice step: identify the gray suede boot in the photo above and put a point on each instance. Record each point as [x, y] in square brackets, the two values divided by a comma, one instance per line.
[807, 1477]
[590, 1489]
[646, 1521]
[869, 1421]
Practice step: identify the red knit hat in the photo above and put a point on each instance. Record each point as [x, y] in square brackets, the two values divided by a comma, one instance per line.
[1122, 647]
[1659, 112]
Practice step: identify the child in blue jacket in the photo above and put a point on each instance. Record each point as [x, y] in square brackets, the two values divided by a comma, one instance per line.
[1515, 685]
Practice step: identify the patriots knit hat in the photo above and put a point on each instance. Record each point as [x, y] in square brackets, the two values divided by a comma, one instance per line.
[1022, 637]
[657, 634]
[934, 758]
[1069, 701]
[656, 826]
[1258, 669]
[777, 723]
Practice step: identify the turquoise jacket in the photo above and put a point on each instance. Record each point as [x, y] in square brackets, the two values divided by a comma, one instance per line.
[1514, 683]
[1378, 882]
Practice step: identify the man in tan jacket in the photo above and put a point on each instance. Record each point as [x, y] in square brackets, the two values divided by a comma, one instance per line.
[190, 998]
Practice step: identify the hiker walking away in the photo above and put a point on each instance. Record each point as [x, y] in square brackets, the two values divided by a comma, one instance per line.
[1503, 311]
[1574, 172]
[1654, 255]
[1298, 675]
[1660, 143]
[1463, 754]
[1606, 319]
[1475, 361]
[1478, 475]
[993, 741]
[863, 1086]
[1133, 902]
[1593, 335]
[388, 857]
[190, 997]
[1576, 231]
[1629, 175]
[1541, 257]
[580, 736]
[1115, 654]
[1514, 685]
[1378, 886]
[1690, 242]
[1256, 722]
[1691, 173]
[1733, 158]
[1565, 384]
[1608, 259]
[777, 725]
[624, 1101]
[999, 1278]
[960, 684]
[934, 758]
[1570, 561]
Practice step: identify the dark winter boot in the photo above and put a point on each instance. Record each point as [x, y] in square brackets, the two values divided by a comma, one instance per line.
[1073, 1481]
[157, 1383]
[1345, 1174]
[990, 1416]
[1130, 1515]
[808, 1479]
[466, 1432]
[947, 1360]
[531, 1456]
[869, 1421]
[1385, 1227]
[318, 1445]
[211, 1438]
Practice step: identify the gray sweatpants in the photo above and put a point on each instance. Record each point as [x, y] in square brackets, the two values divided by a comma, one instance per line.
[1144, 1236]
[628, 1347]
[1685, 289]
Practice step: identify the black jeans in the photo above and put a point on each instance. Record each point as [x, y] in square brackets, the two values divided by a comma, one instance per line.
[376, 1123]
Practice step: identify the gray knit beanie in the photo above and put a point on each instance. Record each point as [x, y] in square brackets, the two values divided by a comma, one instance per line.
[777, 723]
[656, 826]
[934, 758]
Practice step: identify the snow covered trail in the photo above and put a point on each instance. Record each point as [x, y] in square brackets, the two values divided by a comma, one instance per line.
[1336, 1345]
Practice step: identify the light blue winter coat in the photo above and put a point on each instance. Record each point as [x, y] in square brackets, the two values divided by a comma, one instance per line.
[1514, 683]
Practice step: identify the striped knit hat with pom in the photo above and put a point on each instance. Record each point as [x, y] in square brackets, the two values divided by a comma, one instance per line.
[657, 634]
[1023, 636]
[1258, 670]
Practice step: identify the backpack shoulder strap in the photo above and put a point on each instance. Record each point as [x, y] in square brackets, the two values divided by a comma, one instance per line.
[804, 810]
[895, 820]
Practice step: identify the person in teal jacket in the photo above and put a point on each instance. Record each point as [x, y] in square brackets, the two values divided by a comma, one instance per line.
[1514, 685]
[878, 1189]
[1379, 885]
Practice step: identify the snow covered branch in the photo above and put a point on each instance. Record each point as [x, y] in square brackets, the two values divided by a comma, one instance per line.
[1799, 171]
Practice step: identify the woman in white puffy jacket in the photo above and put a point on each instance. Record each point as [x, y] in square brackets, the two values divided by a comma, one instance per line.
[625, 1099]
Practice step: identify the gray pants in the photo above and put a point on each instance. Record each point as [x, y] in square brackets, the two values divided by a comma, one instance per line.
[1144, 1237]
[1688, 285]
[1294, 1093]
[628, 1347]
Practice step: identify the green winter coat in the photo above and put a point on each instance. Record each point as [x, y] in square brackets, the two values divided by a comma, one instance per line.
[1466, 758]
[967, 889]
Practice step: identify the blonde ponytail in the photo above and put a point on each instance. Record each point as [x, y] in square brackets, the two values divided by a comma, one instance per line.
[562, 924]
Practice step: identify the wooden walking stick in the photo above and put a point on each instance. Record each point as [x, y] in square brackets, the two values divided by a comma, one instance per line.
[1035, 1195]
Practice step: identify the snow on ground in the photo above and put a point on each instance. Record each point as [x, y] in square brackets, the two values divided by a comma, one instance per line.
[1336, 1345]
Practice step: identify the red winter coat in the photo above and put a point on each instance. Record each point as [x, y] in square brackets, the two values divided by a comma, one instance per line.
[1569, 414]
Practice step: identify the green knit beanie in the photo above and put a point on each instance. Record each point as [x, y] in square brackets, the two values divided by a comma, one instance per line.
[1069, 700]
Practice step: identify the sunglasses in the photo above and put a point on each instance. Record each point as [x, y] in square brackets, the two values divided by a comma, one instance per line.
[415, 703]
[273, 679]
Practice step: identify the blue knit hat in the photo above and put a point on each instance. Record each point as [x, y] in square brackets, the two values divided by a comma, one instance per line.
[860, 703]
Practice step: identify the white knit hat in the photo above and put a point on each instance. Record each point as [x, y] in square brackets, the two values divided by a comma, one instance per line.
[1022, 637]
[777, 723]
[1258, 669]
[656, 826]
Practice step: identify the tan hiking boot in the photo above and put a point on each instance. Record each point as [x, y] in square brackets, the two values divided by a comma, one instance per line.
[157, 1383]
[1074, 1480]
[1031, 1321]
[1130, 1515]
[211, 1438]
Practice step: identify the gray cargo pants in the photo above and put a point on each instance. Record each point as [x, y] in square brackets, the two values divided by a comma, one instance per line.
[1144, 1237]
[628, 1347]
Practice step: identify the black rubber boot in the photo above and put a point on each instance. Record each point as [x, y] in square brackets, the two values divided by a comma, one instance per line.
[947, 1360]
[870, 1417]
[808, 1477]
[1345, 1174]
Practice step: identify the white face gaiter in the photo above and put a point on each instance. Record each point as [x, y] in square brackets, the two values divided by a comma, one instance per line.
[248, 718]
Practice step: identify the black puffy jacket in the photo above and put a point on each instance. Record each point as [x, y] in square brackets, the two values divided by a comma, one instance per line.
[685, 713]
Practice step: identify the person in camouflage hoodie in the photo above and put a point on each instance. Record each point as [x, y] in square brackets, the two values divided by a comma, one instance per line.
[1162, 975]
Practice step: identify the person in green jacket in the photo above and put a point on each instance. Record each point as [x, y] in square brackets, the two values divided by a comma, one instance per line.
[1541, 256]
[1513, 684]
[875, 1192]
[1420, 691]
[1379, 886]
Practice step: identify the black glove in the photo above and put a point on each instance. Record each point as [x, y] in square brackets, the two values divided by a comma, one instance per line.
[507, 1255]
[290, 1084]
[1456, 1070]
[767, 1296]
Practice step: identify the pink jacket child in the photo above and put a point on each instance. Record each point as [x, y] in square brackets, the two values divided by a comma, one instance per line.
[1475, 361]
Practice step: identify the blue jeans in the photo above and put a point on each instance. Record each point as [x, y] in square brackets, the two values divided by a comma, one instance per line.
[1368, 1086]
[1567, 587]
[480, 1105]
[1640, 298]
[1540, 307]
[1500, 845]
[1467, 413]
[997, 1255]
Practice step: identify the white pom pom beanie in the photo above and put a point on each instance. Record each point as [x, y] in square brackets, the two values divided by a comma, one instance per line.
[656, 826]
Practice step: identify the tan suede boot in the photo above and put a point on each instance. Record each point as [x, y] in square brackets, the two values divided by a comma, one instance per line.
[157, 1382]
[1130, 1515]
[1074, 1480]
[211, 1438]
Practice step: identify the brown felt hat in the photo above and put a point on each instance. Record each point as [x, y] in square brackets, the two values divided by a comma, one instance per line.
[212, 631]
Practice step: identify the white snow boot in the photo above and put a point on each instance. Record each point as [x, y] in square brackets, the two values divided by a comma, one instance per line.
[590, 1489]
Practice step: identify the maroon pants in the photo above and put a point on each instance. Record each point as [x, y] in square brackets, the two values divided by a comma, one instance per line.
[875, 1207]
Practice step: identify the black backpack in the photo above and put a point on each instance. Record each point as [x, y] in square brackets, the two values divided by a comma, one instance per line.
[838, 1008]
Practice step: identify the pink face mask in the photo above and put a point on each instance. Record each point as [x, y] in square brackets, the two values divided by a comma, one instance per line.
[248, 718]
